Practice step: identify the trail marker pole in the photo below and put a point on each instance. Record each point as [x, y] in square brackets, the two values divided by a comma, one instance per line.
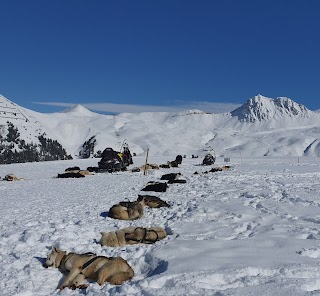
[145, 166]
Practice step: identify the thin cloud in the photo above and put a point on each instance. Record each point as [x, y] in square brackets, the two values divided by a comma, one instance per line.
[130, 108]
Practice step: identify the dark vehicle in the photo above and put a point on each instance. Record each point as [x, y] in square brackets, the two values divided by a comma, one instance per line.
[113, 161]
[209, 159]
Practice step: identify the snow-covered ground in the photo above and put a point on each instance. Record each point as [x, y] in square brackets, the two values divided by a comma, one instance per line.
[254, 230]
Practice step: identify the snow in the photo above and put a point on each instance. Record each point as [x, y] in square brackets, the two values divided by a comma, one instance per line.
[252, 230]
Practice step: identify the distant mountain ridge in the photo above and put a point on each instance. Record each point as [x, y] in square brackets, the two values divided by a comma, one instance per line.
[261, 126]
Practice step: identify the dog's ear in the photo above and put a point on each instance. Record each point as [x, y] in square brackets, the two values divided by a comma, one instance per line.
[103, 233]
[55, 249]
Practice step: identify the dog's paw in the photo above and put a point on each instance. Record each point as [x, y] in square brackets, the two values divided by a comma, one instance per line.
[100, 282]
[73, 287]
[83, 286]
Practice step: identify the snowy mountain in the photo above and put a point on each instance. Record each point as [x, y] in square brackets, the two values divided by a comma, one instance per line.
[261, 126]
[262, 108]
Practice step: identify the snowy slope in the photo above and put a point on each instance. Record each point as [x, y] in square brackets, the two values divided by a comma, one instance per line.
[261, 126]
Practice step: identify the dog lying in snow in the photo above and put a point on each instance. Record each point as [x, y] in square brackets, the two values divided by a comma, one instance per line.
[217, 169]
[132, 210]
[70, 175]
[74, 174]
[131, 236]
[74, 168]
[148, 166]
[152, 201]
[127, 210]
[156, 186]
[12, 177]
[220, 169]
[102, 269]
[175, 163]
[173, 178]
[82, 172]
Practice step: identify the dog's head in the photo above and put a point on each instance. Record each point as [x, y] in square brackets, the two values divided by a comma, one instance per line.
[109, 239]
[10, 177]
[54, 258]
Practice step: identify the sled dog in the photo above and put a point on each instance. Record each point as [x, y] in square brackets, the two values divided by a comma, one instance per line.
[152, 201]
[155, 186]
[131, 236]
[82, 172]
[11, 177]
[127, 210]
[102, 269]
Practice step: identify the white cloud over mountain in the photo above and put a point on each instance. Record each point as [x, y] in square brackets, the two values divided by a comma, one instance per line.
[132, 108]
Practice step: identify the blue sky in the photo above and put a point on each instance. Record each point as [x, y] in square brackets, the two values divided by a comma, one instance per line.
[158, 54]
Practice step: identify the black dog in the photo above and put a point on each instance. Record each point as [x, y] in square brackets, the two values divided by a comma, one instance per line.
[75, 168]
[156, 186]
[70, 175]
[175, 163]
[173, 178]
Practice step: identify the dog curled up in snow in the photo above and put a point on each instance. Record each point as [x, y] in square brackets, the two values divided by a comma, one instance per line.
[132, 210]
[127, 210]
[102, 269]
[131, 236]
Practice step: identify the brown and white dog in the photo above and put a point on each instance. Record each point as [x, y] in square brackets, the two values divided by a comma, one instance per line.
[131, 236]
[12, 177]
[102, 269]
[127, 210]
[132, 210]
